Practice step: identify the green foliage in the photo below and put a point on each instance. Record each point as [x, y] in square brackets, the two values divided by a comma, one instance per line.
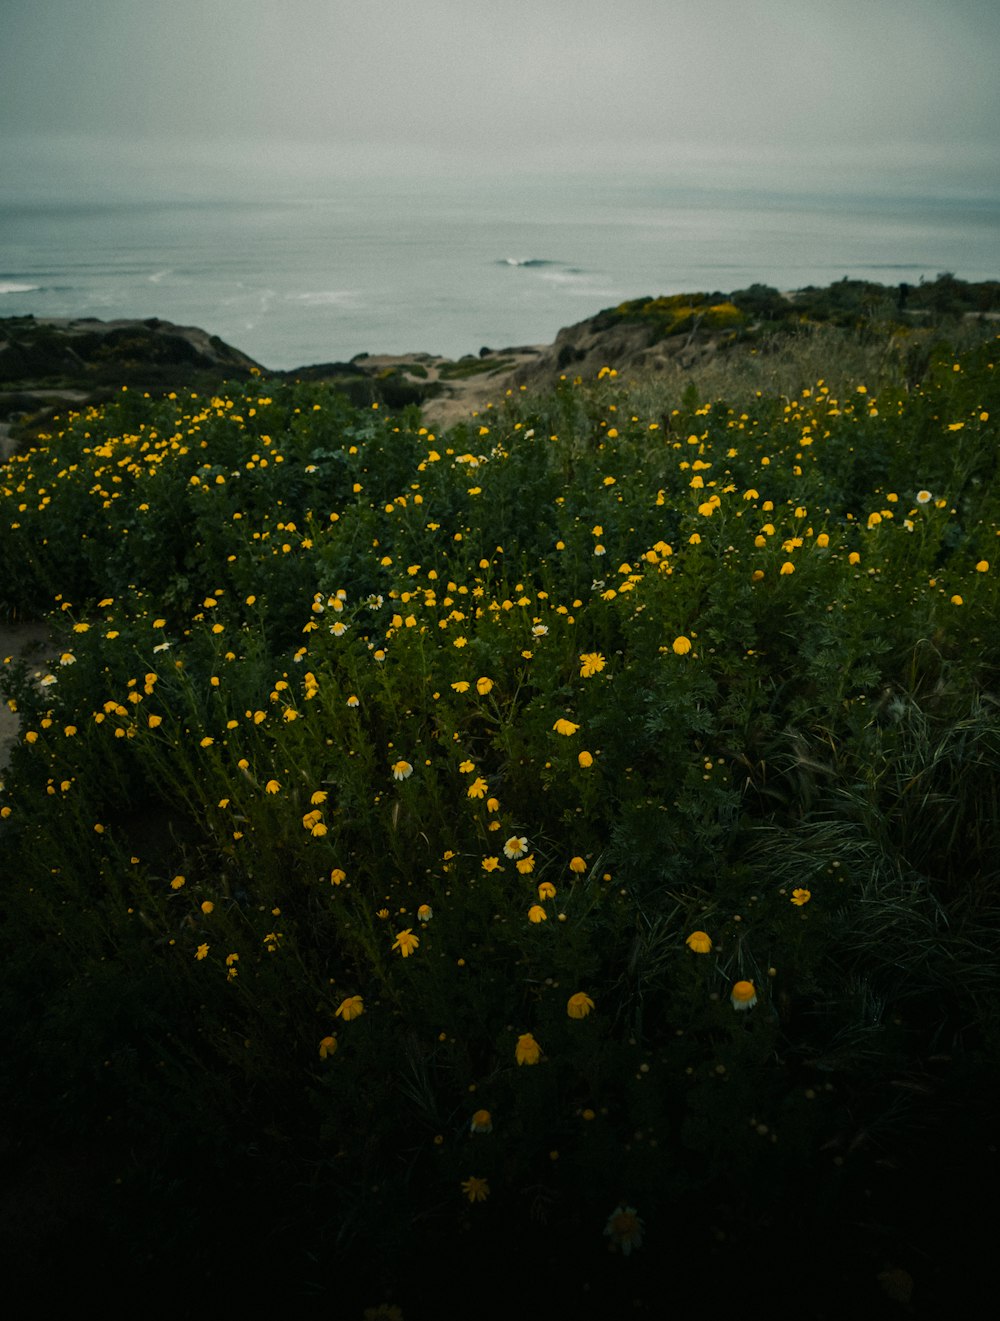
[530, 703]
[675, 314]
[471, 366]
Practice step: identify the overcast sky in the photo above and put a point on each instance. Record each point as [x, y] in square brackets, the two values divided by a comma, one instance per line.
[804, 87]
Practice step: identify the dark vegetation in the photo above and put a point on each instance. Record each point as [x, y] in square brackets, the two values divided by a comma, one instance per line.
[290, 634]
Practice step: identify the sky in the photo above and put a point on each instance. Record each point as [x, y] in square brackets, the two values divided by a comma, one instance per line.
[230, 95]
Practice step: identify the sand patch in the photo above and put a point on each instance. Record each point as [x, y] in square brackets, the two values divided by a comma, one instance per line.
[32, 643]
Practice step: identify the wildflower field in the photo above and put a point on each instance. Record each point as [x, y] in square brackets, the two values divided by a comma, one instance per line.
[567, 845]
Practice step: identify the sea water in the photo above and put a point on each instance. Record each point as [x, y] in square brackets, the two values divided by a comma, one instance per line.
[448, 265]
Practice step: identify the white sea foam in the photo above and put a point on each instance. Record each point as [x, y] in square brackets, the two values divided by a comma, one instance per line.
[13, 287]
[576, 283]
[324, 297]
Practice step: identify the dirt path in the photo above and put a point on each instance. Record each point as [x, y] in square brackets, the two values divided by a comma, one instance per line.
[29, 641]
[466, 386]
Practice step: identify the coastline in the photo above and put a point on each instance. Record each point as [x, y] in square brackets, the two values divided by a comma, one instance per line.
[49, 365]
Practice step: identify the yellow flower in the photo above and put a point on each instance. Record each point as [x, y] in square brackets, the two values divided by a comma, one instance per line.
[402, 770]
[491, 864]
[546, 890]
[526, 865]
[700, 942]
[476, 1190]
[337, 875]
[352, 1007]
[591, 662]
[461, 686]
[207, 907]
[585, 760]
[177, 882]
[481, 1122]
[983, 566]
[272, 787]
[681, 645]
[466, 767]
[201, 952]
[577, 865]
[565, 727]
[484, 686]
[425, 913]
[744, 995]
[579, 1005]
[787, 568]
[527, 1050]
[327, 1047]
[478, 787]
[536, 913]
[800, 897]
[516, 847]
[406, 942]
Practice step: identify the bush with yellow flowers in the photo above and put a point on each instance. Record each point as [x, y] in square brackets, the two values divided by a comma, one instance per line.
[626, 775]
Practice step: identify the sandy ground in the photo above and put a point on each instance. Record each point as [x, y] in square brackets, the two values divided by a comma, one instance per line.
[29, 641]
[463, 396]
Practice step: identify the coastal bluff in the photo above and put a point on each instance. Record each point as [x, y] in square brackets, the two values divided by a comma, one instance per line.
[51, 364]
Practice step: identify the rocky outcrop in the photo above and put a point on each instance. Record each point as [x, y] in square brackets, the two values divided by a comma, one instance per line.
[628, 345]
[52, 350]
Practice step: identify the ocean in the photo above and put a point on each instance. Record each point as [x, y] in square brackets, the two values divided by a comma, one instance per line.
[450, 265]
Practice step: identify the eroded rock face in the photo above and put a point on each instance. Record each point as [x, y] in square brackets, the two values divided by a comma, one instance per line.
[583, 349]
